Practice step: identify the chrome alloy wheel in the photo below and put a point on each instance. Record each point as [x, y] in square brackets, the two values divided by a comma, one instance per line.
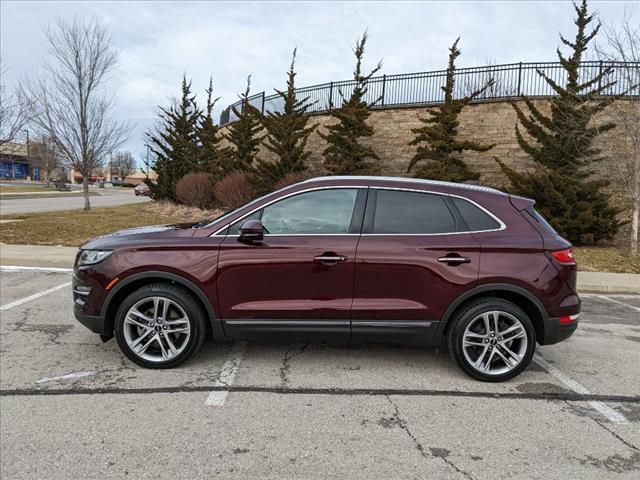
[494, 342]
[156, 329]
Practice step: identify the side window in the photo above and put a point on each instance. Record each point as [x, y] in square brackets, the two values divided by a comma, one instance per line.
[411, 212]
[474, 217]
[319, 212]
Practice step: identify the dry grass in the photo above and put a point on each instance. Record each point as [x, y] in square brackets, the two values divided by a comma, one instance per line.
[74, 227]
[181, 211]
[21, 188]
[606, 259]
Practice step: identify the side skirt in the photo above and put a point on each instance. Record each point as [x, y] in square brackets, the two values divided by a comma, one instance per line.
[403, 331]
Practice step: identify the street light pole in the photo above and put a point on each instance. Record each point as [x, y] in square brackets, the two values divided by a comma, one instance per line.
[147, 162]
[14, 166]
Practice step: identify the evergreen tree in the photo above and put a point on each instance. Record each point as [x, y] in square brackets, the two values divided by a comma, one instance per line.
[175, 143]
[244, 136]
[345, 155]
[562, 146]
[209, 137]
[437, 140]
[287, 136]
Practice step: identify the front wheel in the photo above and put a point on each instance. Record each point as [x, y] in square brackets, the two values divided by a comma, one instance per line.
[492, 340]
[160, 326]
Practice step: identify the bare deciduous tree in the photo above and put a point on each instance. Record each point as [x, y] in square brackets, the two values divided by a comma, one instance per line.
[16, 109]
[123, 165]
[45, 156]
[72, 107]
[623, 44]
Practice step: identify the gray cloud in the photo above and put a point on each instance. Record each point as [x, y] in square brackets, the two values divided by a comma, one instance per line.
[159, 41]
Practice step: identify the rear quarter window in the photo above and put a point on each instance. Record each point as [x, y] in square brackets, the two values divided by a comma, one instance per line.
[475, 218]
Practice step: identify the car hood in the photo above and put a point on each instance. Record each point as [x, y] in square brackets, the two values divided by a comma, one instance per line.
[137, 235]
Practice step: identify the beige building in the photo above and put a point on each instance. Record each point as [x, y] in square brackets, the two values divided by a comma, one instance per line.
[136, 178]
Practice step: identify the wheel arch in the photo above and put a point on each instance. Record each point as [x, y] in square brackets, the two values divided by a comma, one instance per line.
[517, 295]
[133, 282]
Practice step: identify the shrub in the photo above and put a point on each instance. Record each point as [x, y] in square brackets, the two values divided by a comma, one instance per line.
[234, 190]
[195, 190]
[290, 179]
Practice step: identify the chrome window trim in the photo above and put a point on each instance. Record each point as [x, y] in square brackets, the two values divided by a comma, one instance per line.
[419, 181]
[502, 226]
[305, 235]
[335, 187]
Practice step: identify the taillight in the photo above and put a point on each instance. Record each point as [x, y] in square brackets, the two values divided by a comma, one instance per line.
[564, 256]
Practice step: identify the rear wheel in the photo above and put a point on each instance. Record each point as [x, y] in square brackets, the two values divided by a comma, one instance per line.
[492, 340]
[160, 326]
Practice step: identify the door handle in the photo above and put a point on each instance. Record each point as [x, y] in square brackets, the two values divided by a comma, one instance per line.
[330, 258]
[454, 259]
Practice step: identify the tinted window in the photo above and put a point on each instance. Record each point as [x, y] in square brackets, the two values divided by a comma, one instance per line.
[474, 217]
[317, 212]
[411, 212]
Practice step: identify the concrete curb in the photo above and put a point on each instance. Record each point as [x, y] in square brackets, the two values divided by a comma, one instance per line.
[607, 282]
[47, 256]
[37, 255]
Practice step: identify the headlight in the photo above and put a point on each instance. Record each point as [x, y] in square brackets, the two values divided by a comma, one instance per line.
[91, 257]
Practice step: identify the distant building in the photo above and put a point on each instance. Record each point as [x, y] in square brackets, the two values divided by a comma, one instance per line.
[134, 179]
[14, 163]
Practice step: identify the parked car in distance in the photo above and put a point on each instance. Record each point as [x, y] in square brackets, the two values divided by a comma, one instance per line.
[347, 258]
[142, 189]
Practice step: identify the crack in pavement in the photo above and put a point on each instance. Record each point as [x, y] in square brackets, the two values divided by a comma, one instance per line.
[628, 444]
[435, 452]
[548, 396]
[602, 425]
[52, 331]
[285, 368]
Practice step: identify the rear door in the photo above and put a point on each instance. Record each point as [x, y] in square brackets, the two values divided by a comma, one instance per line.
[415, 256]
[300, 278]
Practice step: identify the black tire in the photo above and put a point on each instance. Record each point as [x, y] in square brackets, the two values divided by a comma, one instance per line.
[470, 312]
[195, 314]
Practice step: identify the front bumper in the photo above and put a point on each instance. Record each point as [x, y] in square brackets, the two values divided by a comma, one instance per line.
[88, 298]
[95, 324]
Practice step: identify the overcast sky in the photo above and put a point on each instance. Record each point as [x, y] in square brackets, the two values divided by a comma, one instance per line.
[159, 41]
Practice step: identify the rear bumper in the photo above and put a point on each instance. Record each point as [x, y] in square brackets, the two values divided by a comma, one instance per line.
[556, 330]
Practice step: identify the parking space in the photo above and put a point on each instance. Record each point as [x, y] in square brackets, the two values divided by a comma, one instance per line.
[75, 407]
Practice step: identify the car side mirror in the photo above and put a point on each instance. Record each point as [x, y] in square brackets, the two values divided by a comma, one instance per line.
[251, 231]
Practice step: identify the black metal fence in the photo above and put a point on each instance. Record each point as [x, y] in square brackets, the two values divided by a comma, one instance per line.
[415, 89]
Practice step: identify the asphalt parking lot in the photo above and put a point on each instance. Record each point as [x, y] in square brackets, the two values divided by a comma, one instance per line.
[73, 407]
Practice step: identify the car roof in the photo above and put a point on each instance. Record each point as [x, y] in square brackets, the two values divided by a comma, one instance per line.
[385, 181]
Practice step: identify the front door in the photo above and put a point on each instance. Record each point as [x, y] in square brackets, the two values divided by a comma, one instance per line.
[300, 277]
[414, 258]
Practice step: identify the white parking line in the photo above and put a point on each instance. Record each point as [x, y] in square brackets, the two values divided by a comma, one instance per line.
[604, 410]
[34, 296]
[603, 297]
[227, 375]
[68, 376]
[13, 268]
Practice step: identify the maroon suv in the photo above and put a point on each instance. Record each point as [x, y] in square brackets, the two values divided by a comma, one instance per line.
[355, 258]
